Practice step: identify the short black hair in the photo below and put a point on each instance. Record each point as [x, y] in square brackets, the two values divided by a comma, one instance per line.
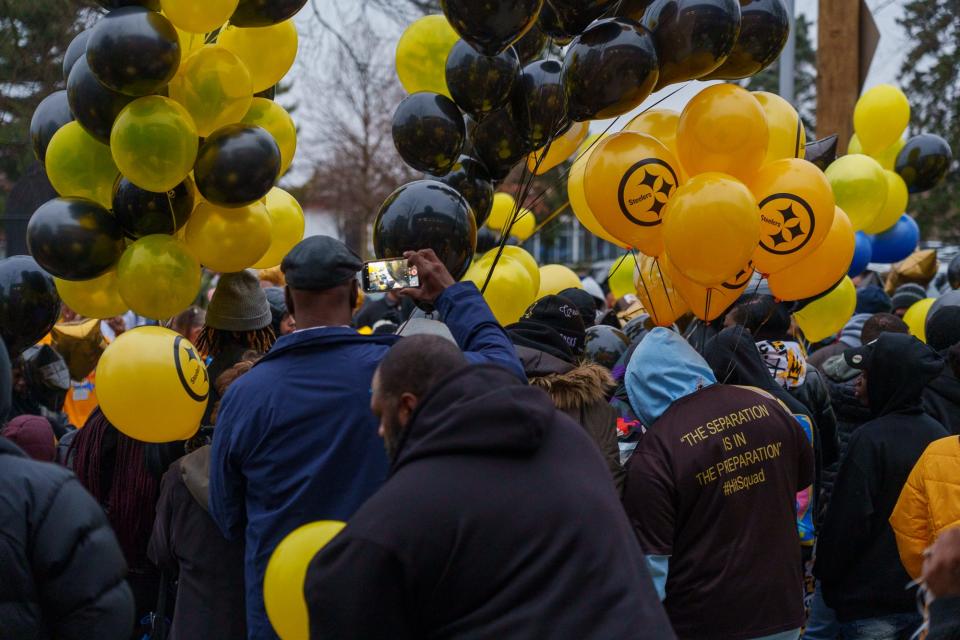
[881, 323]
[417, 363]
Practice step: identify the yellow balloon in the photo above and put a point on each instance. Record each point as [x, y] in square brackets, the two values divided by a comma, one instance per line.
[152, 385]
[561, 148]
[214, 87]
[525, 225]
[916, 317]
[820, 269]
[286, 572]
[229, 240]
[198, 17]
[796, 212]
[711, 228]
[880, 117]
[422, 55]
[96, 298]
[190, 43]
[278, 123]
[859, 187]
[826, 316]
[554, 278]
[895, 205]
[723, 129]
[154, 143]
[788, 137]
[79, 165]
[286, 227]
[629, 179]
[500, 212]
[620, 275]
[658, 123]
[512, 287]
[887, 158]
[707, 303]
[268, 52]
[158, 276]
[577, 194]
[656, 291]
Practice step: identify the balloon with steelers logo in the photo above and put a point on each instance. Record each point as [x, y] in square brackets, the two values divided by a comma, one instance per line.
[629, 179]
[796, 212]
[708, 303]
[152, 385]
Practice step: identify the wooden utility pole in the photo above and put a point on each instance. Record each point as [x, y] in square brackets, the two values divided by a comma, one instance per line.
[847, 38]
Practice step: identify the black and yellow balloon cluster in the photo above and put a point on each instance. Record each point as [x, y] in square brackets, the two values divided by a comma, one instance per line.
[164, 156]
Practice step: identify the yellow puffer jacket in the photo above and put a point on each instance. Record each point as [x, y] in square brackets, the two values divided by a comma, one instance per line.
[929, 502]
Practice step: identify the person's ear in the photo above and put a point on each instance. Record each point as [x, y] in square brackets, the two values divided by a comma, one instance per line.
[406, 405]
[355, 299]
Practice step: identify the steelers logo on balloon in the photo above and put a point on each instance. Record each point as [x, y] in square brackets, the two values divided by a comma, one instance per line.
[190, 370]
[786, 223]
[644, 191]
[741, 280]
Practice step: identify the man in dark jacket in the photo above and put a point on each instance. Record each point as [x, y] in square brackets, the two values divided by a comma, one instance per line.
[498, 519]
[941, 398]
[295, 440]
[63, 571]
[550, 339]
[711, 492]
[857, 561]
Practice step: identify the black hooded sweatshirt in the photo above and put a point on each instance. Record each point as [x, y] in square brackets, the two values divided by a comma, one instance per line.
[857, 560]
[941, 398]
[499, 520]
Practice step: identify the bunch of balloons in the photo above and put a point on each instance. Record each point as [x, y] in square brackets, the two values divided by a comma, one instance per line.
[165, 150]
[485, 93]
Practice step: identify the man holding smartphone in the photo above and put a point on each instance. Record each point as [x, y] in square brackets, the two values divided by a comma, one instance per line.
[296, 440]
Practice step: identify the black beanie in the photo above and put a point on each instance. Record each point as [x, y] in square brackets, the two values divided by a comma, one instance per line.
[943, 328]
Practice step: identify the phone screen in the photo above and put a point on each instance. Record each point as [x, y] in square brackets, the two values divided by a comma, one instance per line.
[389, 275]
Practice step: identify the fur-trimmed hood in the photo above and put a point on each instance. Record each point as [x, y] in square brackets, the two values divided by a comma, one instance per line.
[571, 387]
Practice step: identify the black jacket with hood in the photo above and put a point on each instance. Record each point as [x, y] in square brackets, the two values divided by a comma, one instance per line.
[941, 398]
[857, 559]
[499, 519]
[63, 571]
[187, 545]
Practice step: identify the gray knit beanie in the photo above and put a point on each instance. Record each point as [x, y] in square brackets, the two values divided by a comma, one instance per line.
[238, 304]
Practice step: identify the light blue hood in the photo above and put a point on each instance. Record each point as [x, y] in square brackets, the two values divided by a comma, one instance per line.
[663, 369]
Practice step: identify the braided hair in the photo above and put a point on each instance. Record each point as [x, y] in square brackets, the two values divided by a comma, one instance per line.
[212, 341]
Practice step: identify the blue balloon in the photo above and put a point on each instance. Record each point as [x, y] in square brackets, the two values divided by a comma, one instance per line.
[862, 254]
[898, 242]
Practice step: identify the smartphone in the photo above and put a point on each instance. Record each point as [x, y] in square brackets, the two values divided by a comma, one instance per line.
[380, 276]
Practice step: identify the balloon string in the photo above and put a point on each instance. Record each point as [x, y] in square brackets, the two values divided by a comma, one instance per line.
[796, 151]
[663, 283]
[550, 217]
[643, 281]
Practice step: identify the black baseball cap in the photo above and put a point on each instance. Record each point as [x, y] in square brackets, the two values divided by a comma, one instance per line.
[859, 357]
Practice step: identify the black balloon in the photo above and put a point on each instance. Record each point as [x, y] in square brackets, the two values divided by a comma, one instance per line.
[822, 152]
[74, 238]
[29, 303]
[500, 142]
[427, 214]
[116, 4]
[486, 240]
[531, 45]
[923, 162]
[605, 344]
[694, 37]
[550, 24]
[76, 50]
[93, 105]
[52, 113]
[469, 177]
[609, 69]
[493, 25]
[237, 165]
[540, 102]
[764, 28]
[263, 13]
[576, 15]
[134, 51]
[429, 132]
[478, 83]
[142, 213]
[632, 9]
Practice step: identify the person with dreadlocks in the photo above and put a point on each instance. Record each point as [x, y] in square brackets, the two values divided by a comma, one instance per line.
[112, 467]
[238, 321]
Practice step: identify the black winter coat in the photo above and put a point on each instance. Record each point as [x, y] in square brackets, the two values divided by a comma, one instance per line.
[62, 569]
[941, 399]
[499, 520]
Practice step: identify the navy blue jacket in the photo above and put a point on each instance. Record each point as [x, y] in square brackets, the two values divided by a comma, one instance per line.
[296, 442]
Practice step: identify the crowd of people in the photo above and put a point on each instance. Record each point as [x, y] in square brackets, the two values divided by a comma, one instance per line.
[578, 474]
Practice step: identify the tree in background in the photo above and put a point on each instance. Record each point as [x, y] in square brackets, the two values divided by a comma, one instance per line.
[930, 76]
[33, 37]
